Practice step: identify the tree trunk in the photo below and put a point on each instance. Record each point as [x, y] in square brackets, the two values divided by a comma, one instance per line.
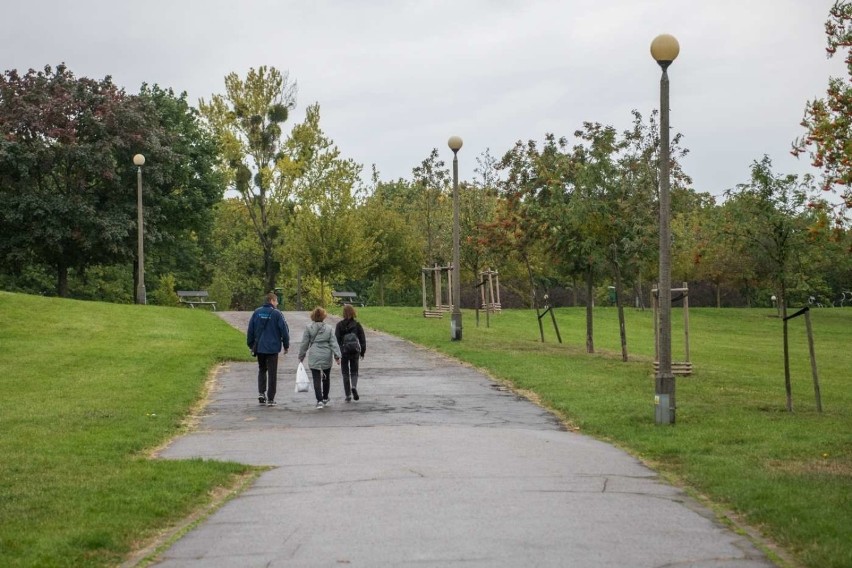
[621, 325]
[787, 384]
[718, 295]
[590, 339]
[534, 299]
[640, 292]
[382, 290]
[269, 268]
[62, 280]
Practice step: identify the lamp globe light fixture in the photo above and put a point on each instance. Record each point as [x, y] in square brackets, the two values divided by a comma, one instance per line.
[139, 161]
[455, 144]
[665, 49]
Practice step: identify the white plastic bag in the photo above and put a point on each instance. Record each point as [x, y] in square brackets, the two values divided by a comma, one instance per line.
[301, 379]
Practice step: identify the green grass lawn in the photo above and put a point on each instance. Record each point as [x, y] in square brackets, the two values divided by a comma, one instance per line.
[734, 443]
[86, 389]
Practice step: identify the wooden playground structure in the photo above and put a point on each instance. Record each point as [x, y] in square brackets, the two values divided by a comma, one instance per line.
[684, 367]
[437, 275]
[490, 279]
[489, 285]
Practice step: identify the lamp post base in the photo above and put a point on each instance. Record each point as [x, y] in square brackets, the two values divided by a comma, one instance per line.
[141, 295]
[456, 326]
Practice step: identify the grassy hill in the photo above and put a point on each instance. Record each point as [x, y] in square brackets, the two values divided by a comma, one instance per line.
[86, 389]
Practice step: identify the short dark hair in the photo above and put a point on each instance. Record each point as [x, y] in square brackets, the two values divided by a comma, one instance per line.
[272, 297]
[318, 314]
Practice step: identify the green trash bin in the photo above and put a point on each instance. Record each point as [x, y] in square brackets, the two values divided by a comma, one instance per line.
[611, 290]
[280, 293]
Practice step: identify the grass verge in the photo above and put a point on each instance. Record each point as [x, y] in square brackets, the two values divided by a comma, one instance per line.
[787, 474]
[87, 390]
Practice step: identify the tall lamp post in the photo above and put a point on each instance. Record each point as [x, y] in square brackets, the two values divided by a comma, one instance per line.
[455, 144]
[139, 161]
[664, 49]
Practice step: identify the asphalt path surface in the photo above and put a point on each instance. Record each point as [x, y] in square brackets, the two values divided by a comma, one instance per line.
[436, 465]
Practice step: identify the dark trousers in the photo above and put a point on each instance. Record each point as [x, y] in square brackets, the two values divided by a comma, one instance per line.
[349, 368]
[322, 382]
[267, 374]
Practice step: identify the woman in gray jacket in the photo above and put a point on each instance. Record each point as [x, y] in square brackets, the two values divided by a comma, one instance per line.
[319, 339]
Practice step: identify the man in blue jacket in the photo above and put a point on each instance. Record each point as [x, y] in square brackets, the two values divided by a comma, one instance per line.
[267, 333]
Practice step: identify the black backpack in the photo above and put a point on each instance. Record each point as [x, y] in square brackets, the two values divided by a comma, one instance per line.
[350, 343]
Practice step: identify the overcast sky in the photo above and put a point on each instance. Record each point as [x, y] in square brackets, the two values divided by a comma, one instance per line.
[395, 79]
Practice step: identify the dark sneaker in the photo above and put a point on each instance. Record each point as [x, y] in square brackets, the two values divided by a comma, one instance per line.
[355, 394]
[348, 399]
[261, 398]
[320, 404]
[271, 403]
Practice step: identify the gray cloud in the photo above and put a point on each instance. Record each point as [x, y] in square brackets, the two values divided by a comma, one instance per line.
[395, 79]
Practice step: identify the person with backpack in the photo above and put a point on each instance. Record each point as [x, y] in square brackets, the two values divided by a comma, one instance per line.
[267, 333]
[353, 345]
[319, 339]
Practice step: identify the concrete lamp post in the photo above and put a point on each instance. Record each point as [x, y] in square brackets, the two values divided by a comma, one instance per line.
[664, 49]
[455, 144]
[139, 161]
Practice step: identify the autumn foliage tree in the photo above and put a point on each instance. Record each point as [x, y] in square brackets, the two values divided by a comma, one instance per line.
[828, 121]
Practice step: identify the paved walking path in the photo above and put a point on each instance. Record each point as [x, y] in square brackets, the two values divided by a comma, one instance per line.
[436, 465]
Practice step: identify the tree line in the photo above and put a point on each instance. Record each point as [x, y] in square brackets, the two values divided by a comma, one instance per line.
[236, 204]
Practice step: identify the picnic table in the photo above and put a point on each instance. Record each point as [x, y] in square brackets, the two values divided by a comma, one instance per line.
[346, 298]
[193, 298]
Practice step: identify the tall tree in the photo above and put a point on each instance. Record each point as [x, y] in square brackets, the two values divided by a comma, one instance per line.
[434, 201]
[329, 242]
[828, 121]
[66, 182]
[478, 207]
[767, 216]
[180, 220]
[394, 251]
[247, 121]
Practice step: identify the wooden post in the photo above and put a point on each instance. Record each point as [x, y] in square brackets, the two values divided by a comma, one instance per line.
[450, 289]
[497, 279]
[813, 360]
[436, 276]
[423, 281]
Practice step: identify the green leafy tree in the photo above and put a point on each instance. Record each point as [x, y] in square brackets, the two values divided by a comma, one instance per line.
[246, 122]
[329, 243]
[433, 193]
[768, 218]
[394, 251]
[238, 264]
[181, 219]
[66, 183]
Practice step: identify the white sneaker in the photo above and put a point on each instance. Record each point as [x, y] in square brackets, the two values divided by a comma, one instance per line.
[320, 404]
[326, 402]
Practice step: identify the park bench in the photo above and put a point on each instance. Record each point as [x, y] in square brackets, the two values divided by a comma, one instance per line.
[346, 298]
[193, 298]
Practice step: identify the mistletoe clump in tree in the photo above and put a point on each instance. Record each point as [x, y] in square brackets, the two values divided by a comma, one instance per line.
[246, 122]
